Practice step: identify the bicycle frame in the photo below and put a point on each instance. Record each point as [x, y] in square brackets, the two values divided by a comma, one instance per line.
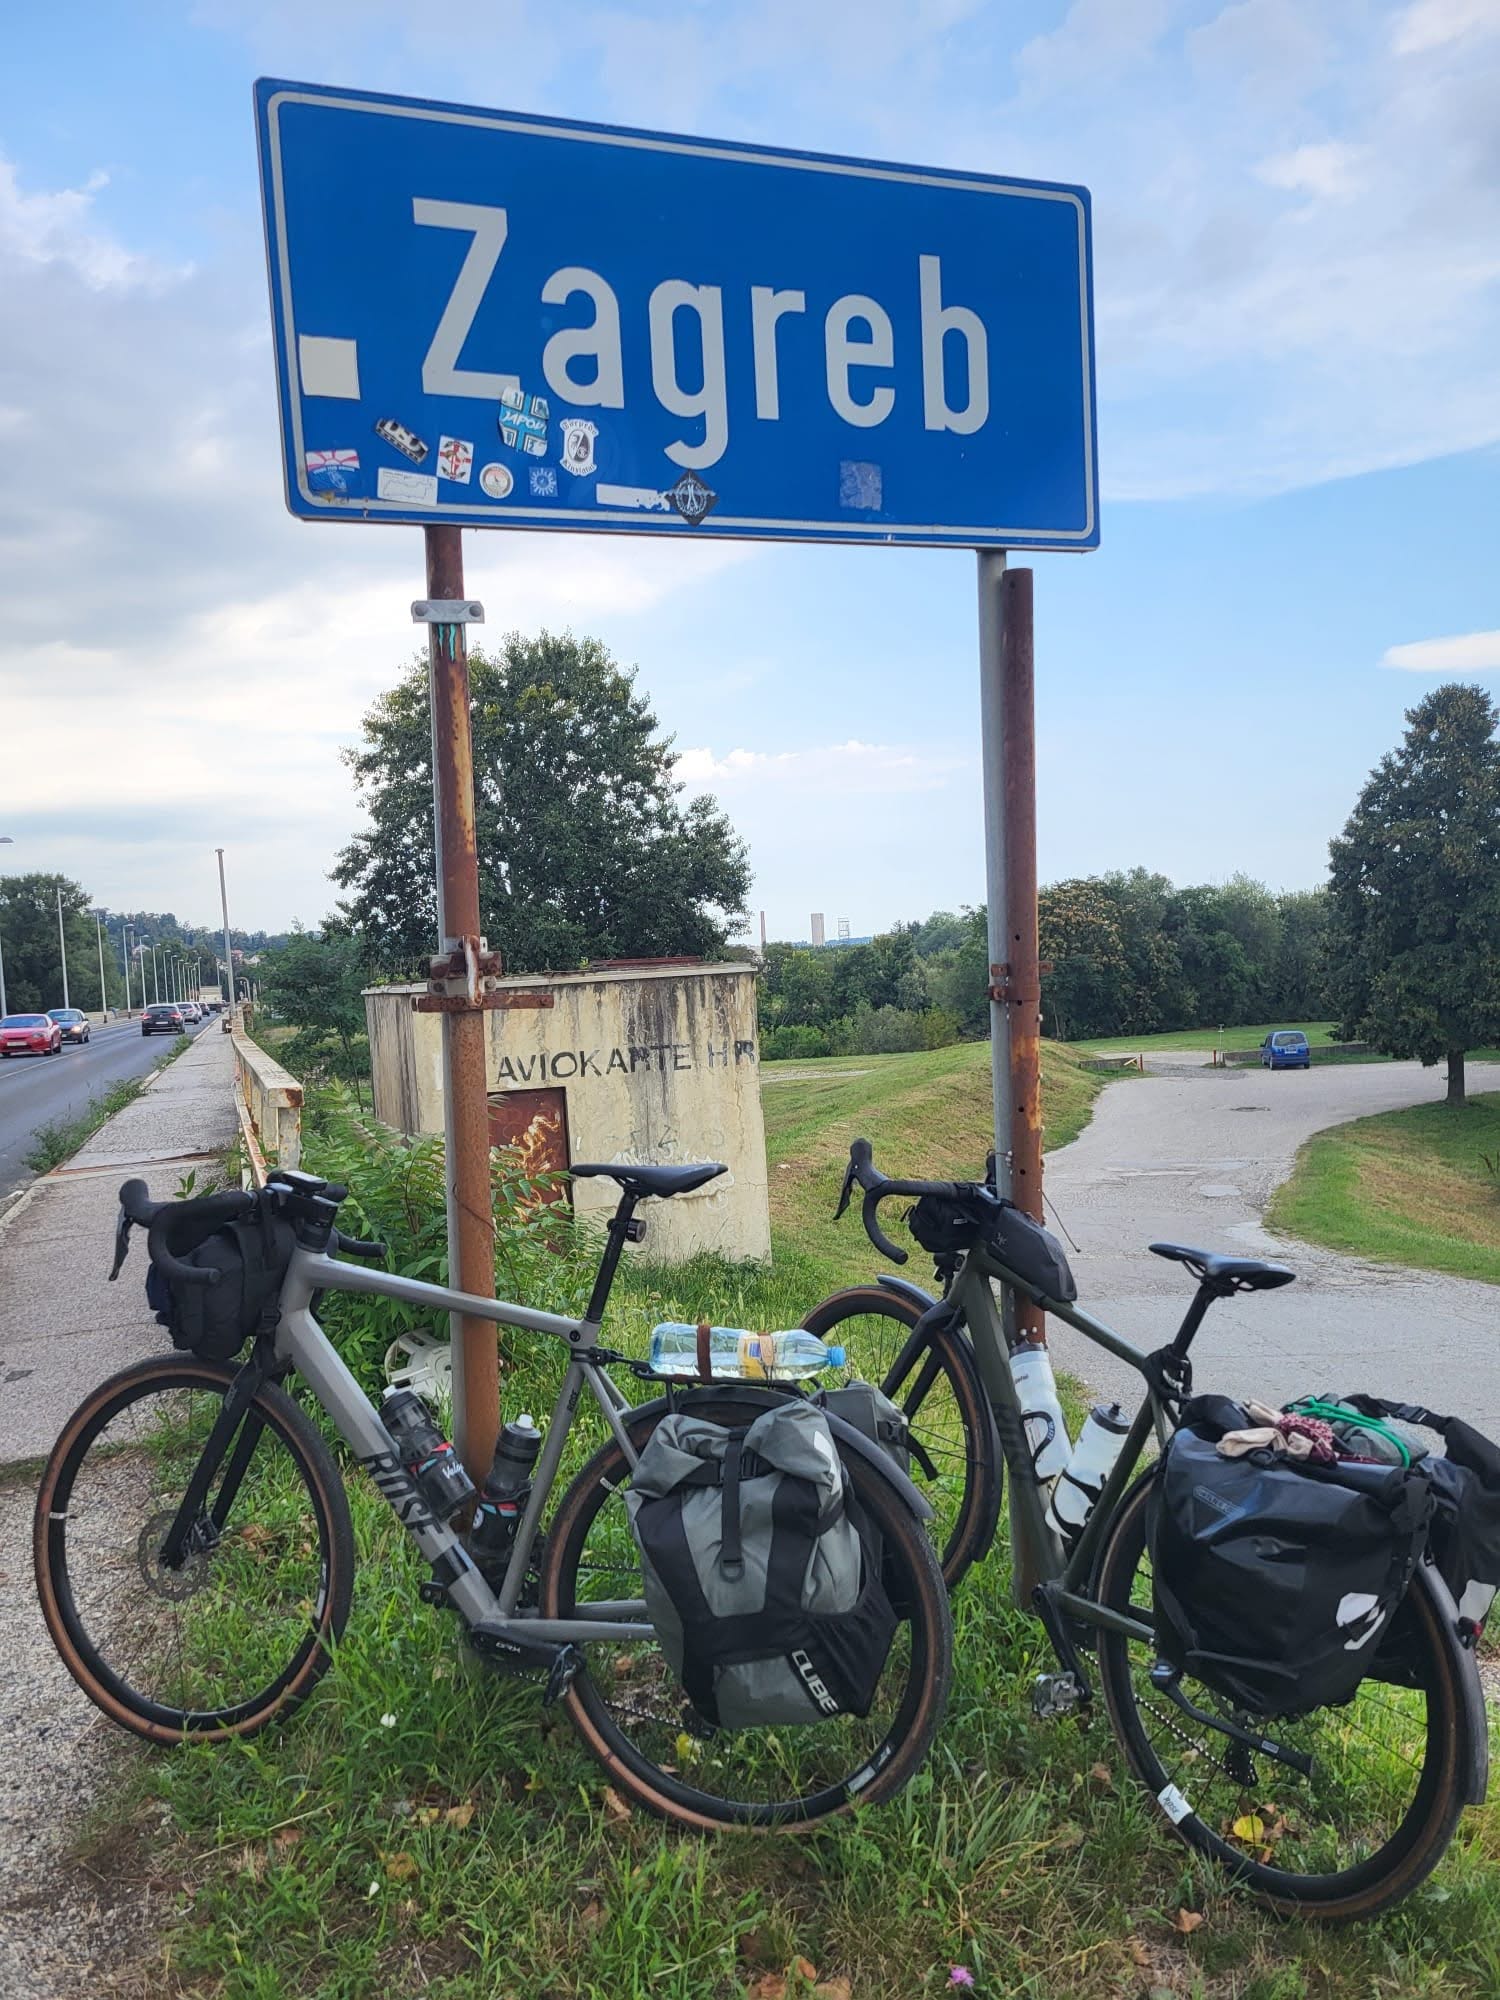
[301, 1343]
[1044, 1570]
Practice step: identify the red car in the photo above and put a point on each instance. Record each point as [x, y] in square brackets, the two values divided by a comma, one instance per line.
[30, 1035]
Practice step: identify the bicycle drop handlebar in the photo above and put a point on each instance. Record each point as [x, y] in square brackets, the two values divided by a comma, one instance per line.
[878, 1188]
[208, 1212]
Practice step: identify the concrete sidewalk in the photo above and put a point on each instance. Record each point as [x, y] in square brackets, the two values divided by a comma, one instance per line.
[63, 1326]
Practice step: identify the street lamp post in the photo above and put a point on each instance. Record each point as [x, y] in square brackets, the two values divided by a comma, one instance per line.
[127, 932]
[155, 973]
[62, 944]
[234, 1018]
[5, 841]
[99, 940]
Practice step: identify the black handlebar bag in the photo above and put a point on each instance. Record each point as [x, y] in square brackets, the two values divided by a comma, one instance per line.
[1274, 1580]
[215, 1320]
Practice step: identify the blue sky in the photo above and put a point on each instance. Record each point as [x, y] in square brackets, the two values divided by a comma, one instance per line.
[1297, 225]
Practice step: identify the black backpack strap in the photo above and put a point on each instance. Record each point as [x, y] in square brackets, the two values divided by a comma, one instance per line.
[731, 1551]
[1404, 1413]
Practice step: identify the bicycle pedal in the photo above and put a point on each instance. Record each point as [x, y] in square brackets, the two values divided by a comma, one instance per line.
[1056, 1695]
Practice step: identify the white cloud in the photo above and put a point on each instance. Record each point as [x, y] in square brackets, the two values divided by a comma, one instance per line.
[1464, 653]
[843, 768]
[1331, 171]
[58, 228]
[1432, 24]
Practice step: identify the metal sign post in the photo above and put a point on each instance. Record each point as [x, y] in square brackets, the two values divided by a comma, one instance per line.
[458, 973]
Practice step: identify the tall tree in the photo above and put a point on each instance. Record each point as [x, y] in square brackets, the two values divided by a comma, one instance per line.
[28, 938]
[316, 983]
[1415, 877]
[586, 848]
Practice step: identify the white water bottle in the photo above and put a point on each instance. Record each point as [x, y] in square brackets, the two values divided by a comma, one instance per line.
[1082, 1480]
[1041, 1413]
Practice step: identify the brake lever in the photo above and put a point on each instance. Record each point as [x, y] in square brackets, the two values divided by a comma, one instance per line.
[122, 1244]
[845, 1191]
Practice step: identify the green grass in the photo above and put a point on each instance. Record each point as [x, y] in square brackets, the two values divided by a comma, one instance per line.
[1403, 1187]
[1318, 1033]
[423, 1828]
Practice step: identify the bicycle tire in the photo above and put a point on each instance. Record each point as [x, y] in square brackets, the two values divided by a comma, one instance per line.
[967, 1530]
[1417, 1840]
[880, 1771]
[85, 1639]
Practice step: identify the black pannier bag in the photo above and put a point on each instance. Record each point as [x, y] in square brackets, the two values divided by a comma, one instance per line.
[1273, 1579]
[1465, 1537]
[762, 1576]
[943, 1226]
[215, 1321]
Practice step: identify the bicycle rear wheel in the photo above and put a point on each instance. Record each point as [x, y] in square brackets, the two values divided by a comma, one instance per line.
[1378, 1809]
[237, 1634]
[955, 1455]
[634, 1717]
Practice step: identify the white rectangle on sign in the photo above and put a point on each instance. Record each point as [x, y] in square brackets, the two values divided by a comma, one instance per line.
[328, 367]
[417, 489]
[455, 459]
[630, 496]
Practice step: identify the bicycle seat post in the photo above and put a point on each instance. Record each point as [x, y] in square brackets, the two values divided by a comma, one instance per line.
[620, 1230]
[1192, 1319]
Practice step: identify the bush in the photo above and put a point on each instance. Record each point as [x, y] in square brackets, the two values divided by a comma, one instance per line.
[790, 1044]
[396, 1194]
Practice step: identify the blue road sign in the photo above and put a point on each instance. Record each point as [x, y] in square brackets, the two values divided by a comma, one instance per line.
[497, 320]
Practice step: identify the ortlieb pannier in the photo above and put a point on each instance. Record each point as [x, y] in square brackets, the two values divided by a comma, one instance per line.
[762, 1575]
[251, 1254]
[1273, 1578]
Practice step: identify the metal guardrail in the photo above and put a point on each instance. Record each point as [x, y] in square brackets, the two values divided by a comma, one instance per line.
[268, 1099]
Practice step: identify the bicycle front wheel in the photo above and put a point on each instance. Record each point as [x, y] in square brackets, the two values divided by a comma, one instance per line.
[237, 1633]
[634, 1717]
[955, 1455]
[1375, 1813]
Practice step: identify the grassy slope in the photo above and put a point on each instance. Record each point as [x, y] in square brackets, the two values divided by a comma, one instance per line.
[1021, 1852]
[1404, 1187]
[1317, 1032]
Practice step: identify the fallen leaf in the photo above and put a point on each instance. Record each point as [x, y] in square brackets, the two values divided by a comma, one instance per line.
[287, 1836]
[592, 1915]
[769, 1986]
[614, 1805]
[1186, 1922]
[623, 1664]
[1250, 1828]
[1102, 1776]
[805, 1969]
[1138, 1952]
[459, 1815]
[837, 1988]
[400, 1867]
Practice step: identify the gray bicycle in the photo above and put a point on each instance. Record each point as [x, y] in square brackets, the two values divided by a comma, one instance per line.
[195, 1554]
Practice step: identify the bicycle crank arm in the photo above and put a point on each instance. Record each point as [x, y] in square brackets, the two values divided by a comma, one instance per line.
[1165, 1680]
[504, 1648]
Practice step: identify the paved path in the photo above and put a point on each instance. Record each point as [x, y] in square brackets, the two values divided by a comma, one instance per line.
[44, 1090]
[1194, 1158]
[63, 1328]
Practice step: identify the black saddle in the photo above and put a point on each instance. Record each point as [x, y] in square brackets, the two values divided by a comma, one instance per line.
[1229, 1274]
[663, 1181]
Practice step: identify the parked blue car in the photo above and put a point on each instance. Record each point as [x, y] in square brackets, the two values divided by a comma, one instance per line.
[1286, 1049]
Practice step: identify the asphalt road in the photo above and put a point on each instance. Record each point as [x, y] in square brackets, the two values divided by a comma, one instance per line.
[1193, 1157]
[40, 1090]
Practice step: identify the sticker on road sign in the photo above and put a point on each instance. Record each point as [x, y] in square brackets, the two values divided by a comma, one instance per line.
[496, 479]
[332, 471]
[455, 459]
[544, 482]
[578, 445]
[405, 441]
[859, 483]
[692, 499]
[523, 421]
[632, 496]
[417, 489]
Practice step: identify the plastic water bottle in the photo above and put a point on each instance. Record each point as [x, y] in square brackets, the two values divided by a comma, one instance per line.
[1041, 1413]
[736, 1355]
[1082, 1481]
[503, 1498]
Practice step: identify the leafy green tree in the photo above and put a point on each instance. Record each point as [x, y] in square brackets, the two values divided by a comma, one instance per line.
[28, 938]
[316, 984]
[586, 849]
[1078, 931]
[1415, 879]
[1300, 984]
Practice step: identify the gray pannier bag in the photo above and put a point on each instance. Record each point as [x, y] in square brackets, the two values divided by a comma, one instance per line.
[762, 1576]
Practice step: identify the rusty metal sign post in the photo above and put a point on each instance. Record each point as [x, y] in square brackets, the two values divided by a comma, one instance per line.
[459, 975]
